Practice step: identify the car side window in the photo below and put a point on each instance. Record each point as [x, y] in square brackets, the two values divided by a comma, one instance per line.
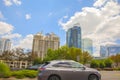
[68, 65]
[62, 64]
[76, 65]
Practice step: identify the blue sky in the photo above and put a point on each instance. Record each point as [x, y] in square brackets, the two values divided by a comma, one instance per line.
[21, 19]
[44, 14]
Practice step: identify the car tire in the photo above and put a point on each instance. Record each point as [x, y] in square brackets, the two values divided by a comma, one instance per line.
[54, 77]
[93, 77]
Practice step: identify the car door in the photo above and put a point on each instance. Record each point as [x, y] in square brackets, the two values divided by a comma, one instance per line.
[64, 70]
[78, 71]
[78, 74]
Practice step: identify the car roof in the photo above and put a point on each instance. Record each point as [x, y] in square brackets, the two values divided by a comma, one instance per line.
[56, 61]
[50, 63]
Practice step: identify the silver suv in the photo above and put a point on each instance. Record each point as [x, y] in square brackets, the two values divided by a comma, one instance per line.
[67, 70]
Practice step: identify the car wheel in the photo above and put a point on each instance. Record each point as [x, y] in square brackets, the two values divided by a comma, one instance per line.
[93, 77]
[54, 78]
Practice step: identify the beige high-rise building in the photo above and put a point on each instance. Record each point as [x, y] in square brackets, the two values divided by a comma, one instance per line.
[41, 43]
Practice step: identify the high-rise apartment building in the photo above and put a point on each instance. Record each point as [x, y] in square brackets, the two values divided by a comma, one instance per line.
[108, 50]
[87, 45]
[5, 45]
[73, 37]
[41, 43]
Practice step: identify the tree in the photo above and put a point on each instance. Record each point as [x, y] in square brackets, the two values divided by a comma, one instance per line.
[37, 61]
[61, 53]
[116, 59]
[86, 57]
[7, 55]
[72, 53]
[50, 55]
[29, 56]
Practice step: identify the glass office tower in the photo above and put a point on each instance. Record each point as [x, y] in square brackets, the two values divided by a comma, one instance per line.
[73, 37]
[109, 50]
[87, 45]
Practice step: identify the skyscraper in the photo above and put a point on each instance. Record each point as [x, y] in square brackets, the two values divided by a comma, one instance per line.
[73, 37]
[41, 43]
[5, 45]
[103, 51]
[87, 45]
[108, 50]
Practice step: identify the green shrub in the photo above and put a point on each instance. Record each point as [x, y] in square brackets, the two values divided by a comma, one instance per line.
[94, 64]
[119, 68]
[30, 73]
[101, 64]
[18, 74]
[108, 63]
[24, 73]
[4, 71]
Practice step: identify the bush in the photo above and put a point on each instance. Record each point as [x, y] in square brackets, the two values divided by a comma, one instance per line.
[118, 69]
[30, 73]
[108, 63]
[24, 73]
[18, 74]
[94, 64]
[4, 71]
[101, 64]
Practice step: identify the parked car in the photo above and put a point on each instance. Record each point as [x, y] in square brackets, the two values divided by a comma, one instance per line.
[16, 69]
[66, 70]
[34, 67]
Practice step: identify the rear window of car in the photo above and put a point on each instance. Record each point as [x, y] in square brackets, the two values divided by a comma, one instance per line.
[45, 64]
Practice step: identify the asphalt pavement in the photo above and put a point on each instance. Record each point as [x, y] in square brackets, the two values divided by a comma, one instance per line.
[110, 75]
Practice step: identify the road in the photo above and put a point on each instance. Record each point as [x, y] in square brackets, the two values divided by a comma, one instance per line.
[106, 75]
[110, 75]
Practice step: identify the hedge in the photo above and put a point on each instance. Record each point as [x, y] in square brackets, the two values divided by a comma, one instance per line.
[4, 71]
[24, 73]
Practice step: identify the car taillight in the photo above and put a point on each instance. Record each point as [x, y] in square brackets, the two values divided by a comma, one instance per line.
[41, 69]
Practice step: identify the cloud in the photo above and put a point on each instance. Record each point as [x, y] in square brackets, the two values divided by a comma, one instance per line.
[60, 22]
[28, 16]
[99, 3]
[5, 28]
[17, 2]
[1, 16]
[101, 22]
[8, 2]
[11, 2]
[11, 36]
[26, 42]
[6, 31]
[50, 14]
[65, 17]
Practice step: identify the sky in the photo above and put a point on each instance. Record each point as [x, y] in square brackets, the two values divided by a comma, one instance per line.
[21, 19]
